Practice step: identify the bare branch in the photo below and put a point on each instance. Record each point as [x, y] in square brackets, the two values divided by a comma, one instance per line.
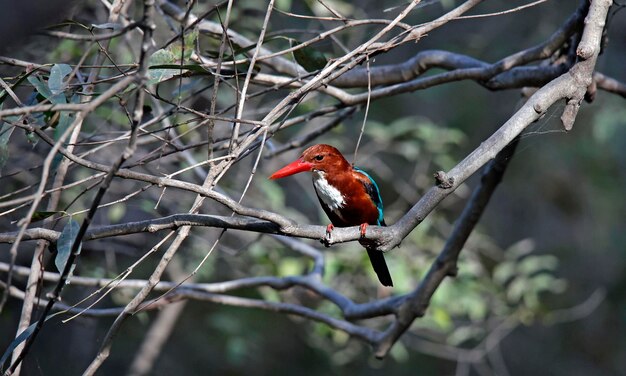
[610, 84]
[148, 28]
[445, 265]
[168, 144]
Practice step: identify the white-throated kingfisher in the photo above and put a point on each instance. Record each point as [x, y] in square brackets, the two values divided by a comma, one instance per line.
[348, 195]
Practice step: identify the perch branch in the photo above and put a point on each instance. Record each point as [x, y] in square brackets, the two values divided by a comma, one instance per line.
[416, 302]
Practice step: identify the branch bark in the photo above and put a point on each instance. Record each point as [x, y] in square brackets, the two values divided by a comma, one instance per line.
[574, 77]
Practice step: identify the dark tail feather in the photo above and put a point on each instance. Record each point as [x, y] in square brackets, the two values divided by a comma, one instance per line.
[377, 258]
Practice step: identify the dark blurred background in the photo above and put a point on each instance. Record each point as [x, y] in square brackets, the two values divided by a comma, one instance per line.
[562, 196]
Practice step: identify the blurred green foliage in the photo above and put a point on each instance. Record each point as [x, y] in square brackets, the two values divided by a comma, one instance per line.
[558, 216]
[493, 284]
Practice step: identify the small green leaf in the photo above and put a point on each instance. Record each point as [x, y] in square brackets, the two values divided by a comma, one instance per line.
[289, 266]
[108, 26]
[190, 46]
[531, 300]
[547, 282]
[40, 86]
[399, 352]
[503, 272]
[310, 58]
[17, 83]
[237, 349]
[57, 75]
[5, 134]
[516, 289]
[283, 5]
[65, 120]
[117, 212]
[162, 56]
[269, 295]
[477, 309]
[442, 318]
[532, 264]
[64, 245]
[39, 215]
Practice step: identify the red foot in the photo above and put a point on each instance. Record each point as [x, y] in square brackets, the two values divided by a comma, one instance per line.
[329, 229]
[363, 227]
[327, 239]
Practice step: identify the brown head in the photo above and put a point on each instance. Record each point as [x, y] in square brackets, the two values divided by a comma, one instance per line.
[319, 157]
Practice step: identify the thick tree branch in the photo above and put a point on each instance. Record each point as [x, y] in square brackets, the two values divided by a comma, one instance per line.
[422, 62]
[572, 82]
[569, 85]
[416, 302]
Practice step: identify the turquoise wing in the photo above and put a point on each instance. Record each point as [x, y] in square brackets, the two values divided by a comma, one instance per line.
[374, 192]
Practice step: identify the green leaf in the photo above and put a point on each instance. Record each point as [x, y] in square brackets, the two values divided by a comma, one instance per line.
[532, 264]
[283, 5]
[399, 352]
[289, 266]
[516, 289]
[166, 62]
[116, 212]
[4, 94]
[477, 309]
[531, 300]
[108, 26]
[310, 58]
[190, 46]
[40, 86]
[5, 134]
[270, 295]
[378, 130]
[161, 57]
[64, 245]
[409, 150]
[65, 120]
[503, 272]
[607, 123]
[442, 318]
[237, 349]
[547, 282]
[39, 215]
[57, 75]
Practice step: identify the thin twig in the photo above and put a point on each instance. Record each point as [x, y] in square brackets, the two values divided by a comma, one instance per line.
[367, 108]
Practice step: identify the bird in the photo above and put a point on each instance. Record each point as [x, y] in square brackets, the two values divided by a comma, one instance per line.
[348, 195]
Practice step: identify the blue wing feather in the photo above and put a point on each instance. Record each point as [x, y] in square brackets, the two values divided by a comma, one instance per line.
[374, 192]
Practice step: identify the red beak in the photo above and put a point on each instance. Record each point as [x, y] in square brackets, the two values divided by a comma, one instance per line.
[292, 168]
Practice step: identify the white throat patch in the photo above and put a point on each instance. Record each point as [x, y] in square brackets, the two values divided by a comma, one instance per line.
[329, 194]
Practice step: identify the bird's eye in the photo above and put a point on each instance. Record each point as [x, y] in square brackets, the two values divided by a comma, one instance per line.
[319, 157]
